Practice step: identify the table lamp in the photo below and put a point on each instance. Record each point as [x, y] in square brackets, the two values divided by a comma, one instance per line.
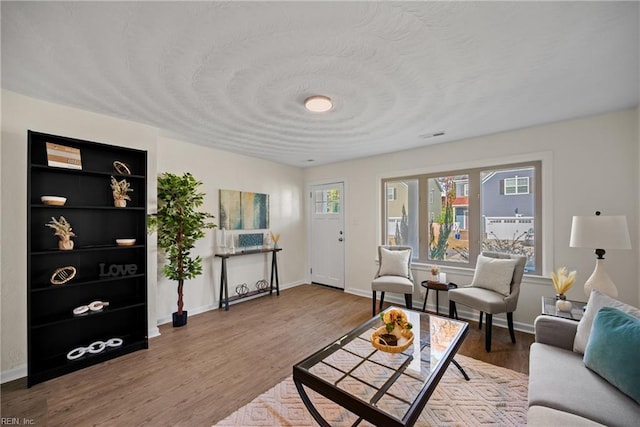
[600, 231]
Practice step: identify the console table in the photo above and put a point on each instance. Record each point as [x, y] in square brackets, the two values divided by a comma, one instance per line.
[224, 283]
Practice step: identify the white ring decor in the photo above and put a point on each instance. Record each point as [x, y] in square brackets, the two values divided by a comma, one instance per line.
[76, 353]
[81, 310]
[97, 305]
[94, 348]
[114, 342]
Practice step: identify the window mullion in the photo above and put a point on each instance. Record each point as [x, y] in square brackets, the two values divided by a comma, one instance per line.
[475, 218]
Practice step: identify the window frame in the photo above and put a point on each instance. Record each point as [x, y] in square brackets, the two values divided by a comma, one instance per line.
[474, 224]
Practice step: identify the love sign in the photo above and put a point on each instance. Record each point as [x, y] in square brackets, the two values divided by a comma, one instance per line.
[115, 270]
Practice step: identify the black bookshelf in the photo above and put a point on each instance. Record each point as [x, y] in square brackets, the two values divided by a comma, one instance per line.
[53, 329]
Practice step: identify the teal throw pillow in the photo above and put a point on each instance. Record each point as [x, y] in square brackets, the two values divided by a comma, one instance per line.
[612, 351]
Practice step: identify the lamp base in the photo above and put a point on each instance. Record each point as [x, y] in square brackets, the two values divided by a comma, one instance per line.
[600, 280]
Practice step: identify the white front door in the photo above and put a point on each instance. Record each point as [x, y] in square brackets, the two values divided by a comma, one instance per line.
[327, 234]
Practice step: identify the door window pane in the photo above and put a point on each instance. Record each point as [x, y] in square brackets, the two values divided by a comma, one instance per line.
[327, 202]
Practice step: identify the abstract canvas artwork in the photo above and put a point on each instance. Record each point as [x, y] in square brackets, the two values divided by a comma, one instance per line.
[242, 210]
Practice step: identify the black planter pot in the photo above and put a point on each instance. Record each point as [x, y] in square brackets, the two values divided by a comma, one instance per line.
[179, 320]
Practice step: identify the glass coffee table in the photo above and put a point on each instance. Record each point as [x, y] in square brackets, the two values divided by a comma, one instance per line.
[389, 389]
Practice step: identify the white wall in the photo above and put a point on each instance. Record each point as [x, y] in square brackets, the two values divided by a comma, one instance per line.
[223, 170]
[589, 164]
[217, 170]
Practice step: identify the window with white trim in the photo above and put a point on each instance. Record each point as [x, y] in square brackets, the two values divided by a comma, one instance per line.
[465, 212]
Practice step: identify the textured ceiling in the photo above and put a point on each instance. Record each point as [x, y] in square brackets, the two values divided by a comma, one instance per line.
[234, 75]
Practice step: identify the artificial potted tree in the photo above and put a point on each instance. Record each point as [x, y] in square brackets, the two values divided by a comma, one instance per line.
[180, 225]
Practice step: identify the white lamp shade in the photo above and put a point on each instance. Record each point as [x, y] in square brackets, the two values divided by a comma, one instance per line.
[600, 232]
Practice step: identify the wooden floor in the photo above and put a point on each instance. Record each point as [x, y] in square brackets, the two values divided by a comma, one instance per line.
[199, 374]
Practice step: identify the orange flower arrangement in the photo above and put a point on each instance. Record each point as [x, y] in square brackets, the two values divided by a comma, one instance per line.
[395, 317]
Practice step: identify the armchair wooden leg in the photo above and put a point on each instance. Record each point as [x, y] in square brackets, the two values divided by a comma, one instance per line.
[408, 301]
[511, 331]
[480, 321]
[381, 299]
[487, 343]
[373, 313]
[453, 311]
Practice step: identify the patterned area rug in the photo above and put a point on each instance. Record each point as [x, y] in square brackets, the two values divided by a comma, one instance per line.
[494, 397]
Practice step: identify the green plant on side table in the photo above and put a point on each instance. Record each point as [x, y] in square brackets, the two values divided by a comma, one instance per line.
[179, 225]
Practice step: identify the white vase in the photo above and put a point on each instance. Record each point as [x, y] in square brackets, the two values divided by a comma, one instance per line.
[563, 305]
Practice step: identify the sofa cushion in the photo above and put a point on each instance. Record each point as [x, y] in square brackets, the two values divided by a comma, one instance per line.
[612, 350]
[597, 300]
[559, 380]
[394, 263]
[494, 274]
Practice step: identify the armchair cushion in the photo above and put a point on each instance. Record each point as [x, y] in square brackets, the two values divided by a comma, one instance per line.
[394, 263]
[494, 274]
[597, 300]
[396, 284]
[481, 299]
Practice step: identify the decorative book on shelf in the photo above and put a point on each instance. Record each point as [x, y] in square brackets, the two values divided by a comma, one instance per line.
[61, 156]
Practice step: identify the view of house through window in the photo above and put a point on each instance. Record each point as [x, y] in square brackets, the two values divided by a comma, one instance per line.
[448, 236]
[450, 218]
[402, 213]
[508, 206]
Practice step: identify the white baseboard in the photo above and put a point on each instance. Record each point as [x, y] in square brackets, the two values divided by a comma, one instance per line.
[463, 313]
[13, 374]
[153, 332]
[214, 306]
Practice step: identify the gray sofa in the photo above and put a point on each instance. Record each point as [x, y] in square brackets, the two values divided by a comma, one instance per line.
[563, 391]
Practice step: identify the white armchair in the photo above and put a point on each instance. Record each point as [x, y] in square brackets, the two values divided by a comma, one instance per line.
[394, 274]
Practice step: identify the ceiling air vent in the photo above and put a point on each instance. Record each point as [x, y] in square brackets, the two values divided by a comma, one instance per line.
[431, 135]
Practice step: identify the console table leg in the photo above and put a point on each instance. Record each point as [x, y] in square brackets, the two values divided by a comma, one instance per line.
[274, 270]
[226, 284]
[223, 273]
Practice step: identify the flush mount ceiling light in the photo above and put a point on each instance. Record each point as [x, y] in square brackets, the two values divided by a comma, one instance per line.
[318, 103]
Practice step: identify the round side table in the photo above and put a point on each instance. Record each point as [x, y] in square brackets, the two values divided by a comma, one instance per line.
[436, 286]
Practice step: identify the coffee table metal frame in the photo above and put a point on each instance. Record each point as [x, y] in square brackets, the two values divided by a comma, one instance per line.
[302, 375]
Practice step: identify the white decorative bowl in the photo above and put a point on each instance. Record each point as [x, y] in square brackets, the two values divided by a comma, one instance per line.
[53, 200]
[126, 242]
